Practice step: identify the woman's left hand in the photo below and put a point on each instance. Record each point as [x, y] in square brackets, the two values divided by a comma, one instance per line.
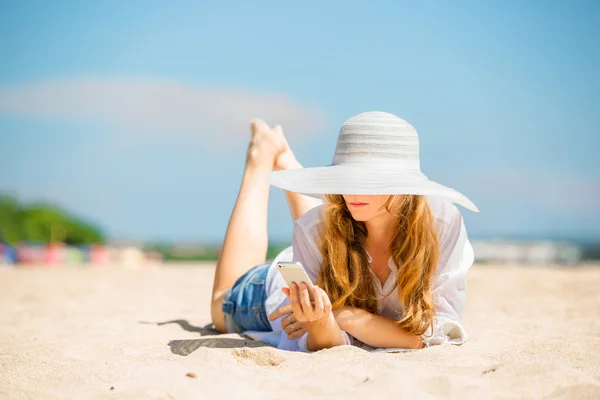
[293, 328]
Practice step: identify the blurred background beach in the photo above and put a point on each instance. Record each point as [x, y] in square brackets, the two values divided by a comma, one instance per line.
[123, 130]
[132, 118]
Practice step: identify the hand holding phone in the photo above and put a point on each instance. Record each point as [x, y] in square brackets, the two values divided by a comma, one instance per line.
[294, 272]
[311, 308]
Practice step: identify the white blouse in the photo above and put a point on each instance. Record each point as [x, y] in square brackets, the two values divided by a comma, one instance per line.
[448, 285]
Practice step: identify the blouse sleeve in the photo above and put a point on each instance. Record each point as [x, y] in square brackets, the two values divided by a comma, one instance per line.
[306, 251]
[449, 286]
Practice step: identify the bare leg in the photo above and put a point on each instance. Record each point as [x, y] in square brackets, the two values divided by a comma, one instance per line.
[246, 239]
[298, 203]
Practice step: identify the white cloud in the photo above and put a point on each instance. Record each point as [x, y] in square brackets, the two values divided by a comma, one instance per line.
[149, 106]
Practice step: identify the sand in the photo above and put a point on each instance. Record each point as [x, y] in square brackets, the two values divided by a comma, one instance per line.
[101, 333]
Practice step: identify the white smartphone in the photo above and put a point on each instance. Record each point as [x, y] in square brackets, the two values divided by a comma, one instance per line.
[295, 272]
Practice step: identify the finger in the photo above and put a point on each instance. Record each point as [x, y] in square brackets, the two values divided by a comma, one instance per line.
[326, 302]
[296, 306]
[287, 309]
[276, 314]
[287, 321]
[286, 291]
[294, 294]
[297, 333]
[307, 306]
[294, 326]
[318, 300]
[289, 328]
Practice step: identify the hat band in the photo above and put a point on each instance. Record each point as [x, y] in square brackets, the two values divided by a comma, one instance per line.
[371, 158]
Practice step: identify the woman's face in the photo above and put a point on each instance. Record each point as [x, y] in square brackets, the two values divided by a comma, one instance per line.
[366, 207]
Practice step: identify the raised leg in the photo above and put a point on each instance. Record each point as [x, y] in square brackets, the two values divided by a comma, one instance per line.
[298, 203]
[246, 239]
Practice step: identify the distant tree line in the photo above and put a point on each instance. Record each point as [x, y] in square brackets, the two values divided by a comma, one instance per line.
[199, 251]
[40, 222]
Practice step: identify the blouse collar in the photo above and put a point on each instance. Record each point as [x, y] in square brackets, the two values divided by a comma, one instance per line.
[391, 263]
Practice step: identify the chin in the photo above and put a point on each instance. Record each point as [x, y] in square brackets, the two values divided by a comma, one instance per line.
[360, 217]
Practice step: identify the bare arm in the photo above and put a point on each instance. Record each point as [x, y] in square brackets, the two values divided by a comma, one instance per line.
[324, 334]
[375, 330]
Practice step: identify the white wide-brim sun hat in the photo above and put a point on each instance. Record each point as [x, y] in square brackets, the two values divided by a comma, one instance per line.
[377, 153]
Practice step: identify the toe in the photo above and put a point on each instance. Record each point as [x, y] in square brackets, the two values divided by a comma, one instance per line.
[279, 139]
[258, 126]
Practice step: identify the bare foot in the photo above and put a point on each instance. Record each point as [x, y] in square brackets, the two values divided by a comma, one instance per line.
[286, 158]
[265, 145]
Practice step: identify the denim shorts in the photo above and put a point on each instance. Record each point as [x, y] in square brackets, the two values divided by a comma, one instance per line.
[244, 304]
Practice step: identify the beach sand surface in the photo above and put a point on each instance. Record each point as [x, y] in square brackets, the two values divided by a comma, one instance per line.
[103, 333]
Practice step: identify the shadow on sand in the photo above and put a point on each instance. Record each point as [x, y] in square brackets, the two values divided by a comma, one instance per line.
[188, 346]
[206, 330]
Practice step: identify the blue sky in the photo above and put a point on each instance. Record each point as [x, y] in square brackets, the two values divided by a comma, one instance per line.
[134, 114]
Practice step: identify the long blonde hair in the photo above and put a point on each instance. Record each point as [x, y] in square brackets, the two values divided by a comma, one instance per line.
[345, 275]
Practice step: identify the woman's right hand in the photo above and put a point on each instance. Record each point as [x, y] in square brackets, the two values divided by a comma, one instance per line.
[304, 309]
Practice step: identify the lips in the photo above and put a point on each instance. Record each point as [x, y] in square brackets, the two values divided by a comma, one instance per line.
[357, 205]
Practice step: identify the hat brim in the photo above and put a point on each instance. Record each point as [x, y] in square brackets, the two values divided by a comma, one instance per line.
[365, 180]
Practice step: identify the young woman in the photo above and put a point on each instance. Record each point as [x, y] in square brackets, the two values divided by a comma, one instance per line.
[388, 250]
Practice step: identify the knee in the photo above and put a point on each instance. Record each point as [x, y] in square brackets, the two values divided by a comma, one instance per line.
[216, 312]
[218, 320]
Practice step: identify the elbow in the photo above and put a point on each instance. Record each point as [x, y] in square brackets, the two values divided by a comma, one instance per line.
[324, 345]
[316, 343]
[420, 344]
